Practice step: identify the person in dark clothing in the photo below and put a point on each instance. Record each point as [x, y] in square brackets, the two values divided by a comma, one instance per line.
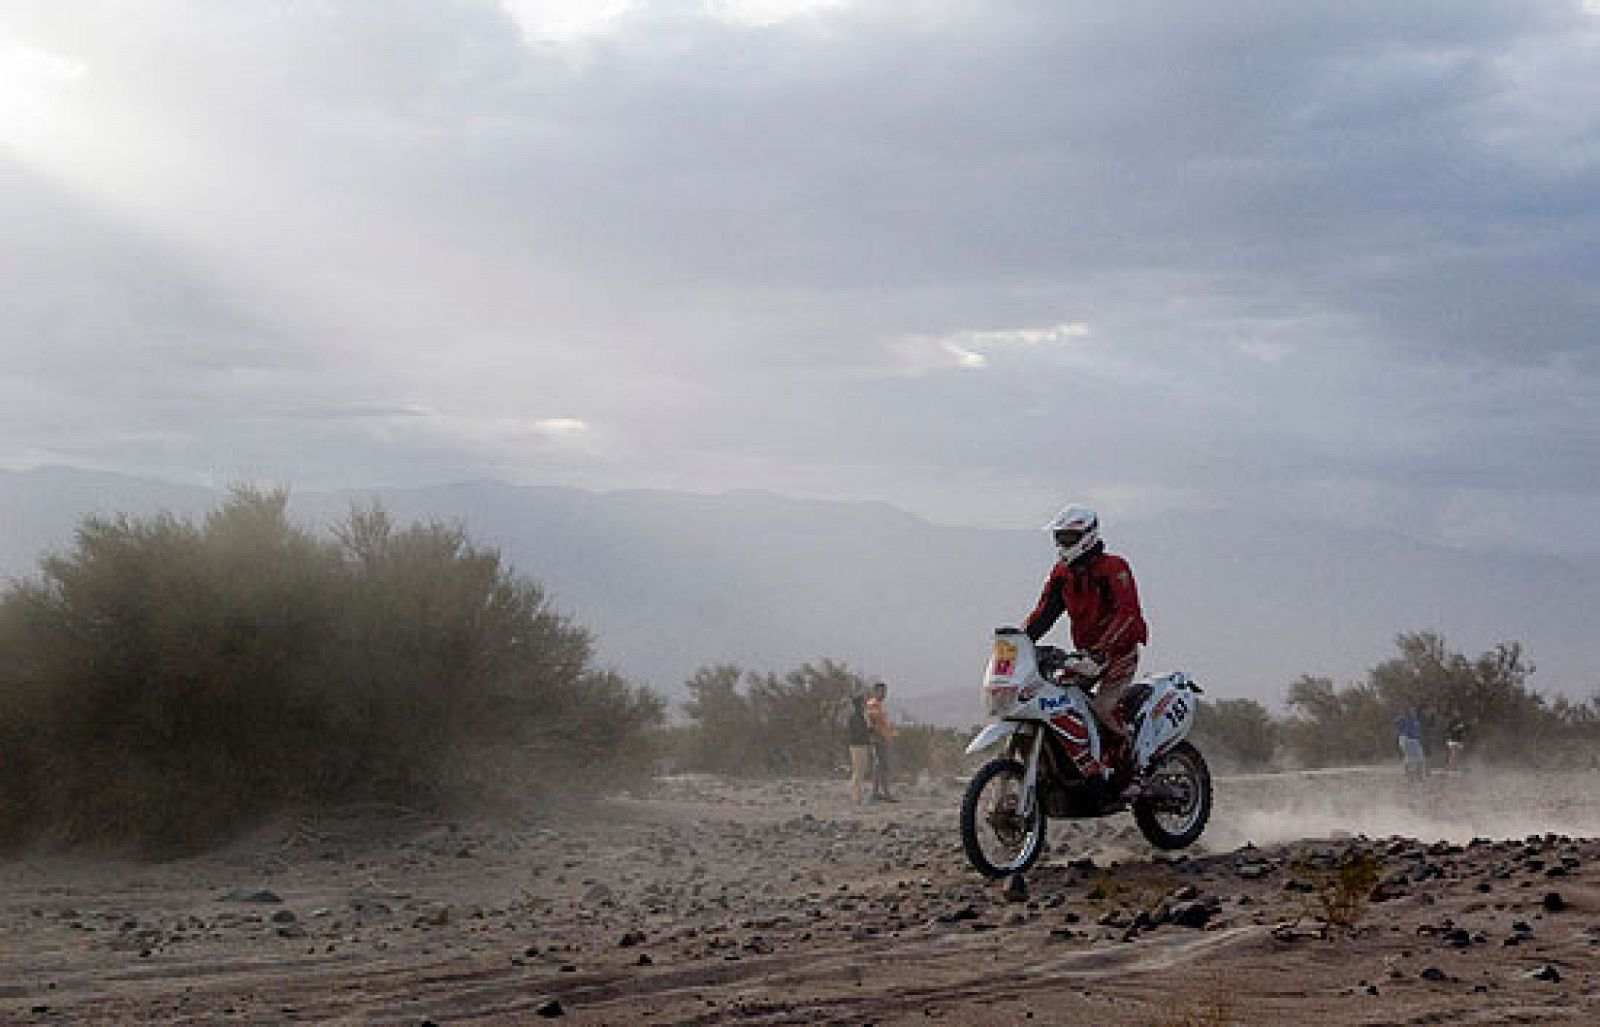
[1095, 589]
[1409, 728]
[858, 735]
[882, 736]
[1454, 741]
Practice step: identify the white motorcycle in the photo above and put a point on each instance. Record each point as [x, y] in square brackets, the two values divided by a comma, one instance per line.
[1052, 763]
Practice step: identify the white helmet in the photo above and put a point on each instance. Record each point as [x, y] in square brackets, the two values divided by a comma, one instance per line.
[1076, 530]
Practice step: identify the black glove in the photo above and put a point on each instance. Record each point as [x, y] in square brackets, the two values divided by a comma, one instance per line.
[1051, 658]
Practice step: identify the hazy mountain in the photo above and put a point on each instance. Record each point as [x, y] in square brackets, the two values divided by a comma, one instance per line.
[669, 582]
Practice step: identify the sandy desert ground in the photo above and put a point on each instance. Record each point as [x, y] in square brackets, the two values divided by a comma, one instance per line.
[708, 901]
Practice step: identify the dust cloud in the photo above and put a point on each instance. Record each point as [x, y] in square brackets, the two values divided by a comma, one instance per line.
[1378, 802]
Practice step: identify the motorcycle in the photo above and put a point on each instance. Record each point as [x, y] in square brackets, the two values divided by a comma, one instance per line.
[1053, 765]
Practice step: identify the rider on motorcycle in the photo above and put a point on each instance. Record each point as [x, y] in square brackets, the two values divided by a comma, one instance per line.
[1096, 590]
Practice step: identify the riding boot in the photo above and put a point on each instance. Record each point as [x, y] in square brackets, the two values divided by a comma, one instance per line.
[1119, 754]
[1115, 756]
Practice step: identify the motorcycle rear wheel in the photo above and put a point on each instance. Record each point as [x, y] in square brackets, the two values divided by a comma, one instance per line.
[1176, 823]
[988, 815]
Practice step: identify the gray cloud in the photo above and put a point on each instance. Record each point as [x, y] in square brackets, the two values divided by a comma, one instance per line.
[1334, 259]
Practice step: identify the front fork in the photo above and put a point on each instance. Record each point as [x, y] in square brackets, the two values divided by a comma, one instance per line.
[1030, 773]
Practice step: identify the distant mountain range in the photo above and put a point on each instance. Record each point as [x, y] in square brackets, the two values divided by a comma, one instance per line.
[668, 582]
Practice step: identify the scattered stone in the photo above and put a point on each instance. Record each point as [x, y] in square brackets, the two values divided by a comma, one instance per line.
[956, 916]
[1191, 914]
[1553, 902]
[550, 1008]
[1384, 891]
[1544, 973]
[1296, 931]
[1433, 973]
[257, 895]
[284, 916]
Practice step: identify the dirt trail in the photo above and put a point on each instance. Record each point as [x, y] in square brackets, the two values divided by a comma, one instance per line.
[708, 901]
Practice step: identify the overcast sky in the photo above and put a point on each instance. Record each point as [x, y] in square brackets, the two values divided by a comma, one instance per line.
[972, 258]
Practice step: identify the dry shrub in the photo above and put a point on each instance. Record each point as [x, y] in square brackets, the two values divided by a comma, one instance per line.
[1341, 893]
[1130, 889]
[751, 723]
[1216, 1006]
[164, 683]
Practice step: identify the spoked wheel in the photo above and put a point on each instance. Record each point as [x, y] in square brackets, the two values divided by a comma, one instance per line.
[1177, 800]
[998, 839]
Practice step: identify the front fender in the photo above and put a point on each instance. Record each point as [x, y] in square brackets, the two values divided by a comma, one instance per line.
[992, 734]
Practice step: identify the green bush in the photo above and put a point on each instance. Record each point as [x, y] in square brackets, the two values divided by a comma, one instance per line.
[938, 750]
[164, 683]
[1505, 720]
[1238, 732]
[751, 724]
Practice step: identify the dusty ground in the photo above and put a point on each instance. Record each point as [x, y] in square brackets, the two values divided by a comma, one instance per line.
[710, 902]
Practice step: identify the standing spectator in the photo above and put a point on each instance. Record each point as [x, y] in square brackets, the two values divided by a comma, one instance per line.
[882, 736]
[1454, 741]
[1409, 729]
[858, 734]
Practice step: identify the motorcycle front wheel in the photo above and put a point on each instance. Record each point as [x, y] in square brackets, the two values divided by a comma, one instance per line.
[998, 839]
[1175, 814]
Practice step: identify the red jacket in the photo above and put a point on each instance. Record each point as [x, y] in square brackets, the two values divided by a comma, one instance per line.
[1099, 595]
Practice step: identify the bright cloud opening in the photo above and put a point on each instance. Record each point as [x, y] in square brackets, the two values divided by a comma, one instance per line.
[1027, 336]
[970, 349]
[966, 357]
[769, 12]
[33, 83]
[565, 21]
[561, 427]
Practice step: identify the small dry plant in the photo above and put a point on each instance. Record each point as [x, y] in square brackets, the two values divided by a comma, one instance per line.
[1342, 892]
[1109, 890]
[1216, 1007]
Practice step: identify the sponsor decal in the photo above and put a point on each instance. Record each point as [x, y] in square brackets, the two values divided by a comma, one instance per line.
[1071, 725]
[1001, 694]
[1004, 659]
